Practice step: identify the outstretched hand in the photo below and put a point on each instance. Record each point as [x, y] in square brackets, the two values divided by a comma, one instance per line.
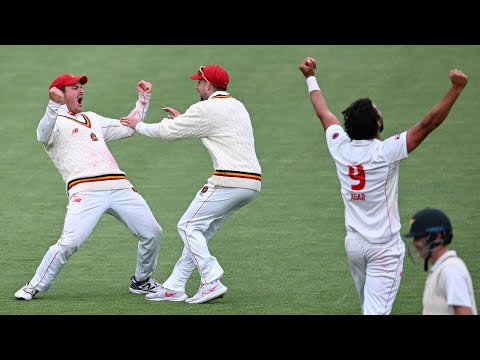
[307, 67]
[144, 86]
[458, 78]
[131, 122]
[173, 113]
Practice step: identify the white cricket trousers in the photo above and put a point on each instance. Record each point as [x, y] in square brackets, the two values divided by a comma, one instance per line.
[83, 213]
[376, 270]
[210, 208]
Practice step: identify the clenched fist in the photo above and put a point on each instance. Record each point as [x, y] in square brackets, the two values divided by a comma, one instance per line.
[56, 95]
[307, 67]
[458, 78]
[144, 86]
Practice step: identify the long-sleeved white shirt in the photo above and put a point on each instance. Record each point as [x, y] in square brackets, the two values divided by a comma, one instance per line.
[76, 144]
[223, 125]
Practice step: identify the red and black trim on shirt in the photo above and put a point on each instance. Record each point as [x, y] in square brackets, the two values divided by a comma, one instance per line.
[222, 96]
[238, 174]
[72, 183]
[87, 122]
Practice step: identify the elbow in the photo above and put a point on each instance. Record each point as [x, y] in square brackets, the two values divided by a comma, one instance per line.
[167, 138]
[41, 138]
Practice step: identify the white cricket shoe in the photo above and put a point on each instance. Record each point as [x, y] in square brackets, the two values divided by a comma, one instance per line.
[26, 293]
[162, 294]
[208, 292]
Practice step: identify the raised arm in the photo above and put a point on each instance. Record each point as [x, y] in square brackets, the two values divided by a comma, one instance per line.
[144, 89]
[46, 125]
[307, 67]
[112, 130]
[418, 133]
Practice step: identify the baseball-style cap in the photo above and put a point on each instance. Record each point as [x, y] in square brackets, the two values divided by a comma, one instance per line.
[428, 221]
[213, 74]
[68, 79]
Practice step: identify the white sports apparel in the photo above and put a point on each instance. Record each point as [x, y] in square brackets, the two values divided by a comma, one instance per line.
[212, 206]
[448, 284]
[83, 212]
[368, 174]
[76, 143]
[223, 125]
[376, 270]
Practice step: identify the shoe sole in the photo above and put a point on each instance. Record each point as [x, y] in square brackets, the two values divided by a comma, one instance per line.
[138, 292]
[210, 297]
[183, 298]
[218, 297]
[25, 298]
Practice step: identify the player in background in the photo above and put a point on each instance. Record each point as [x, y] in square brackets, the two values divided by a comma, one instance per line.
[448, 288]
[223, 124]
[76, 141]
[367, 168]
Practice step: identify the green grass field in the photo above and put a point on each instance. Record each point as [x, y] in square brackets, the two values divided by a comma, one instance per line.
[283, 254]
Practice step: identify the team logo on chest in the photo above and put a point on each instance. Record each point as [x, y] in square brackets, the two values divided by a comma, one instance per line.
[93, 137]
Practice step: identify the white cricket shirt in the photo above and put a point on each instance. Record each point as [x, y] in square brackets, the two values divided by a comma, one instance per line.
[223, 125]
[76, 144]
[448, 284]
[368, 174]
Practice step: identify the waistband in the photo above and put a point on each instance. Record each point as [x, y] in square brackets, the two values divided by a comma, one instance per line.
[238, 174]
[75, 182]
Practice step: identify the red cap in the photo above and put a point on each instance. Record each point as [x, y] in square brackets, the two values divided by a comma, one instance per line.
[68, 79]
[213, 74]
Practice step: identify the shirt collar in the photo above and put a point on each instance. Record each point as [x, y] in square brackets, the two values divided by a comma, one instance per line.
[219, 93]
[442, 258]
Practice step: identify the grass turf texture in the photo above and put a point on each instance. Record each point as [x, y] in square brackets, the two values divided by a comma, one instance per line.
[283, 254]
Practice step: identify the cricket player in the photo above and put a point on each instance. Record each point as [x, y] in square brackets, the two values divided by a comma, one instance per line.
[367, 168]
[448, 288]
[76, 141]
[224, 127]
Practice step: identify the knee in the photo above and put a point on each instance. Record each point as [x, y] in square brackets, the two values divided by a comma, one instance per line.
[156, 233]
[186, 227]
[182, 226]
[159, 232]
[68, 248]
[70, 241]
[150, 235]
